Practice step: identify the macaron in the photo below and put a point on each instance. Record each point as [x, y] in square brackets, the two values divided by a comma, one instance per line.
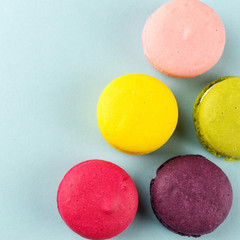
[97, 199]
[190, 195]
[183, 38]
[216, 116]
[137, 114]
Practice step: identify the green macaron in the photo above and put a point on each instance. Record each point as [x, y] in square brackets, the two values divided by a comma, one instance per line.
[216, 116]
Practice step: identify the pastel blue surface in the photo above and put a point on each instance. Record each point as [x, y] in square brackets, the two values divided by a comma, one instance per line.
[56, 57]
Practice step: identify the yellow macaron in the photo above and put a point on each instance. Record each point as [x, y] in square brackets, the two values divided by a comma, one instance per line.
[137, 114]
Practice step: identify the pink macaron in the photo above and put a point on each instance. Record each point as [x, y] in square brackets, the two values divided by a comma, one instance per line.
[183, 38]
[97, 199]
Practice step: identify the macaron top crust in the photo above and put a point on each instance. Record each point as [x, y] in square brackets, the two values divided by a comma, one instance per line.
[137, 114]
[216, 116]
[183, 38]
[97, 199]
[190, 195]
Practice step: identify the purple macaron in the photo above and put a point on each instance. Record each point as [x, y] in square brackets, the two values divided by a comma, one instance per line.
[190, 195]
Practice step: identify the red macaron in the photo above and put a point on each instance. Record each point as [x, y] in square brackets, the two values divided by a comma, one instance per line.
[97, 199]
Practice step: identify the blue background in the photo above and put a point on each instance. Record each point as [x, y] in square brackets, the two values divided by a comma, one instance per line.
[56, 57]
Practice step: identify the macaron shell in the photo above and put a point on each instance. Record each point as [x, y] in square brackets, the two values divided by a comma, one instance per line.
[137, 114]
[183, 38]
[216, 117]
[190, 195]
[97, 199]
